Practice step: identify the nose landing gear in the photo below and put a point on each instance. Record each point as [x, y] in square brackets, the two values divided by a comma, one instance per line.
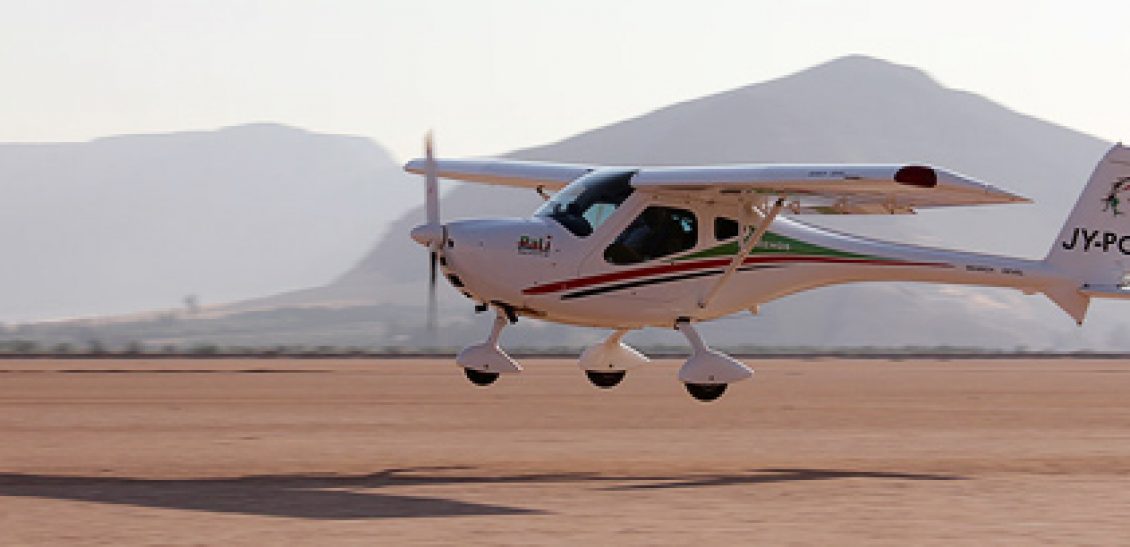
[484, 362]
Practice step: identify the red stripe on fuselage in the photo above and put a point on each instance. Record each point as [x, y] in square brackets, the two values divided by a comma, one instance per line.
[581, 282]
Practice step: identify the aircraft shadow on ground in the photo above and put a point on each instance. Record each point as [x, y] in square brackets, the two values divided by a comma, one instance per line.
[766, 476]
[351, 497]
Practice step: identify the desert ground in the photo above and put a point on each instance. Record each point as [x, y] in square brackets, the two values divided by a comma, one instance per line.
[825, 451]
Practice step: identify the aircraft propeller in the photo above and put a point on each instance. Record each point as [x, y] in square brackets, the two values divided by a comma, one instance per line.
[432, 233]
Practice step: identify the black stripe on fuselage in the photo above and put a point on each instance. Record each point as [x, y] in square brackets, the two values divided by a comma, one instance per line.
[654, 281]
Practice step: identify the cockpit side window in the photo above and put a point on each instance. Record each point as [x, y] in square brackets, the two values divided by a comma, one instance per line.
[588, 201]
[658, 231]
[725, 228]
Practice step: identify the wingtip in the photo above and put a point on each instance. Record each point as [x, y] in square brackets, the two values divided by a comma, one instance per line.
[1006, 196]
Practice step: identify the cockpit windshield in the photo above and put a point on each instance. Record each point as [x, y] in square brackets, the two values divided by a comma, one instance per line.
[588, 201]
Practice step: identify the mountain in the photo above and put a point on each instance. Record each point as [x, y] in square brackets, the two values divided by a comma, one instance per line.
[852, 109]
[139, 222]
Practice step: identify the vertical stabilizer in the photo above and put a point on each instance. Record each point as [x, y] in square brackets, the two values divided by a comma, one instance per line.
[1092, 252]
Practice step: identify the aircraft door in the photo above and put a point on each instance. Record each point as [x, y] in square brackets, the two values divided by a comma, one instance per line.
[641, 249]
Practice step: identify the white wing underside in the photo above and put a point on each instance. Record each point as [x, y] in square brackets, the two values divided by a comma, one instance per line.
[811, 189]
[523, 174]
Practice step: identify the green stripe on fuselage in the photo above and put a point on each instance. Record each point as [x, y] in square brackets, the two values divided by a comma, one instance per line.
[774, 244]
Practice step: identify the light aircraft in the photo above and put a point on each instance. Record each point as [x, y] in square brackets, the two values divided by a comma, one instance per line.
[631, 247]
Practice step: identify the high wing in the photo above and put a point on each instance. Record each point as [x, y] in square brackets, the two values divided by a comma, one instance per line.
[830, 189]
[812, 189]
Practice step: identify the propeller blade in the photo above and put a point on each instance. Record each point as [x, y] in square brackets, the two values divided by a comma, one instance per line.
[431, 204]
[431, 196]
[432, 291]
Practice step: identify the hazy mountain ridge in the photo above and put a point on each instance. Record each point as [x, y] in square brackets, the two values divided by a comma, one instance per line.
[138, 222]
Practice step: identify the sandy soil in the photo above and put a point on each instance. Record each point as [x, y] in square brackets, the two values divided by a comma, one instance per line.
[364, 452]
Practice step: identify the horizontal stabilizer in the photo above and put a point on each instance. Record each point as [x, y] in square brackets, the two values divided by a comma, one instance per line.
[1106, 291]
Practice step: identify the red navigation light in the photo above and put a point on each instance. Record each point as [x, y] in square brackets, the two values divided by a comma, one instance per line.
[917, 175]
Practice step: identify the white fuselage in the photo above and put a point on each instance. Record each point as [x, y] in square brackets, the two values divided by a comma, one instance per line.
[543, 270]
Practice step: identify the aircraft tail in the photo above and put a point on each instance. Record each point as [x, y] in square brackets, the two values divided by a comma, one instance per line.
[1091, 256]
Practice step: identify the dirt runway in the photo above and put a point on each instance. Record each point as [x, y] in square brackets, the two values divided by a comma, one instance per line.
[406, 451]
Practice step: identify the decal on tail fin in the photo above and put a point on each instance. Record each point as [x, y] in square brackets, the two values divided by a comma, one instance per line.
[1112, 199]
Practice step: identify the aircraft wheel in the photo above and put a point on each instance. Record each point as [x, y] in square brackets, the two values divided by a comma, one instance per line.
[606, 379]
[706, 392]
[480, 378]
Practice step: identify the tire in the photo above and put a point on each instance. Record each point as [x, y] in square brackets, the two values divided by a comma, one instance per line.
[706, 392]
[480, 378]
[606, 379]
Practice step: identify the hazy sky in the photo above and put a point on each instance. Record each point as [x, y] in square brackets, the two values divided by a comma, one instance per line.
[491, 76]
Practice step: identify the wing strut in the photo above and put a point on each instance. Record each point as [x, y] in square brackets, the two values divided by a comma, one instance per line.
[747, 247]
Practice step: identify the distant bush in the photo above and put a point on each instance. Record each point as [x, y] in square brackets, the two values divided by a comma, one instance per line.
[204, 349]
[19, 346]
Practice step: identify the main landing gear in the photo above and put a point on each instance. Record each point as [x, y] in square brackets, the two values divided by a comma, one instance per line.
[606, 363]
[707, 372]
